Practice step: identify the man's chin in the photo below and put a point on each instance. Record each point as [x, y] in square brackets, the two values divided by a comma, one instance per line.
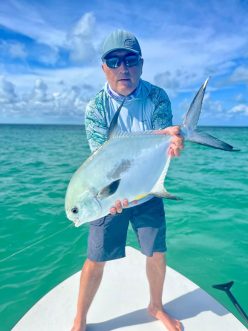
[125, 87]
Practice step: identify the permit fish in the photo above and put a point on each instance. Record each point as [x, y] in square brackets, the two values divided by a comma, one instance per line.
[130, 165]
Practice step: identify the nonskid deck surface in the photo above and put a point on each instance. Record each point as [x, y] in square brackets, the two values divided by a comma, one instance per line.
[121, 301]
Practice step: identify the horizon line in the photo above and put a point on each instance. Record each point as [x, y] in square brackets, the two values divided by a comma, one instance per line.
[74, 124]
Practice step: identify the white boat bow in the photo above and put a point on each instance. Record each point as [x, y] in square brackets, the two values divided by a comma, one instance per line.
[120, 303]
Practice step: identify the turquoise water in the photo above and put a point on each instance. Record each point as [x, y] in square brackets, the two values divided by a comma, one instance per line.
[207, 230]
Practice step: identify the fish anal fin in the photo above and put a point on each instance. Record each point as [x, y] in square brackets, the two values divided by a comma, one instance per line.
[166, 195]
[158, 189]
[160, 192]
[109, 189]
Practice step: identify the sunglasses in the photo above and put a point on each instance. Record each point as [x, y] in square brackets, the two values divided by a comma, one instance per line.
[128, 60]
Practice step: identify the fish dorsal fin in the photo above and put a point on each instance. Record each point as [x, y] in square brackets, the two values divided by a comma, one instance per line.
[113, 124]
[193, 114]
[109, 189]
[158, 189]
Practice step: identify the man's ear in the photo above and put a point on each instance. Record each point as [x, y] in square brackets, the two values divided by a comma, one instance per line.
[103, 67]
[141, 65]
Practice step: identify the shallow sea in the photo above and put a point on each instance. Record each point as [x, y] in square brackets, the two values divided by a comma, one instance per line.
[206, 231]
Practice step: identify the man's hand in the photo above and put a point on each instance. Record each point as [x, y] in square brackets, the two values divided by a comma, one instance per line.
[176, 141]
[119, 205]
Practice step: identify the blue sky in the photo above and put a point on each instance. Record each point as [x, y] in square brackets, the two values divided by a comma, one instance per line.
[50, 66]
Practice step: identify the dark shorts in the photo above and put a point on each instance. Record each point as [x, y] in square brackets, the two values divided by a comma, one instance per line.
[107, 236]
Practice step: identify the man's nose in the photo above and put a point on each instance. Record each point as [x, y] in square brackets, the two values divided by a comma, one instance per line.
[123, 67]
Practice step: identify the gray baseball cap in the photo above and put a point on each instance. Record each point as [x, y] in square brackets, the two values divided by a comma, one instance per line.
[120, 40]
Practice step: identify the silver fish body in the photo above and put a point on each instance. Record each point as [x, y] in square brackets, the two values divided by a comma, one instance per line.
[134, 161]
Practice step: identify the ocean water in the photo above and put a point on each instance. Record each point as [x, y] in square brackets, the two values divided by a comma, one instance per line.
[39, 248]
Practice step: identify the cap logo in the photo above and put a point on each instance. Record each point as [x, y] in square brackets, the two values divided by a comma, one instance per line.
[128, 43]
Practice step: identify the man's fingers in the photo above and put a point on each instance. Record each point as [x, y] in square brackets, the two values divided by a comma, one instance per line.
[174, 130]
[171, 130]
[177, 141]
[125, 203]
[175, 149]
[112, 211]
[118, 206]
[171, 152]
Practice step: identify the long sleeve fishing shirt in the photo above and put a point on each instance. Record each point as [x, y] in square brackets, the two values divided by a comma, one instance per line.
[147, 108]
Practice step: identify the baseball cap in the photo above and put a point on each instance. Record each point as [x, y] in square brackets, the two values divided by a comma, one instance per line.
[120, 40]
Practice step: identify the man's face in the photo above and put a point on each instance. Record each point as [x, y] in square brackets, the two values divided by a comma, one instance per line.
[123, 79]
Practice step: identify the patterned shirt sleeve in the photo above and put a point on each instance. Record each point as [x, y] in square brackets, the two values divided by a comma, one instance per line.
[162, 115]
[95, 123]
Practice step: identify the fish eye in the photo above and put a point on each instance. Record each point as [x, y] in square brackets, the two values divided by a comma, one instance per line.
[74, 210]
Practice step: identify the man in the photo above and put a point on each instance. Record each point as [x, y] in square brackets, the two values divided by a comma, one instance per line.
[146, 107]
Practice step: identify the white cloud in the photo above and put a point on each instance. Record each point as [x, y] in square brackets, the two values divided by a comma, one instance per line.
[167, 80]
[85, 26]
[240, 108]
[240, 97]
[240, 74]
[175, 82]
[26, 19]
[15, 50]
[213, 111]
[48, 55]
[200, 53]
[90, 75]
[213, 108]
[7, 92]
[79, 40]
[41, 102]
[39, 94]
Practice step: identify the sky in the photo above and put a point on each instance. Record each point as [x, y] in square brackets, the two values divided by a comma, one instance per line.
[50, 55]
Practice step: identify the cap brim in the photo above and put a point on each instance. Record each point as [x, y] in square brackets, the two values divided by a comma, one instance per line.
[119, 49]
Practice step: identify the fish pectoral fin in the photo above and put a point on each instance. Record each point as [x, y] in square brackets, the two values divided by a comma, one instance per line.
[109, 189]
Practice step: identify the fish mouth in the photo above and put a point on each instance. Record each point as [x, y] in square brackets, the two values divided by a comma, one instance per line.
[72, 218]
[77, 223]
[83, 216]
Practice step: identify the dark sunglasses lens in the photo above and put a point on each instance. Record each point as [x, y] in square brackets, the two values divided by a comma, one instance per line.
[131, 60]
[113, 62]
